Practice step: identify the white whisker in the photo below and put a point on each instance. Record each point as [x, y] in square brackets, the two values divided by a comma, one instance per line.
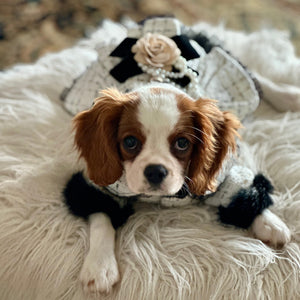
[197, 138]
[190, 181]
[197, 129]
[188, 178]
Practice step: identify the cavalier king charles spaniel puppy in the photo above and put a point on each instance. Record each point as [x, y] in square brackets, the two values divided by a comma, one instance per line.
[156, 141]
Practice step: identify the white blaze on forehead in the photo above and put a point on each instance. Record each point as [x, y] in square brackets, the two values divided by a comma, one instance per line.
[158, 111]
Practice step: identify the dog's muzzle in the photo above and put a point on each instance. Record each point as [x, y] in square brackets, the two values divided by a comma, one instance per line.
[155, 174]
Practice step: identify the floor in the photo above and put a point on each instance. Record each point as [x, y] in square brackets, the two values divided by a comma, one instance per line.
[31, 28]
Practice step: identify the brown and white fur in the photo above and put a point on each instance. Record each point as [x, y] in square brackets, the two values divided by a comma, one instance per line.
[185, 141]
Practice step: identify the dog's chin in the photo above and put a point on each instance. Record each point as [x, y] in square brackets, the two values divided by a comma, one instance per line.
[155, 191]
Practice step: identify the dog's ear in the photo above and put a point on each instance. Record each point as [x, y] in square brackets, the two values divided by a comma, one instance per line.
[217, 132]
[96, 137]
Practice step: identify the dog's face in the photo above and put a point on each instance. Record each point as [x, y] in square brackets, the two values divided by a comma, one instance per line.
[160, 137]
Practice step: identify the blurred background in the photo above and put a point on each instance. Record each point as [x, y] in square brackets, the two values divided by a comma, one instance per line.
[31, 28]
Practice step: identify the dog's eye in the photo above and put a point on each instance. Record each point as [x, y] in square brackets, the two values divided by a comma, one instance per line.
[182, 144]
[131, 143]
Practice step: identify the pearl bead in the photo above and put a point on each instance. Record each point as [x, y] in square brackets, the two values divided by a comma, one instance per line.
[162, 75]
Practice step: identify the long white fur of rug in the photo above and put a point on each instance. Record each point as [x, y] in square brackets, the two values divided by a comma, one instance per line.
[163, 253]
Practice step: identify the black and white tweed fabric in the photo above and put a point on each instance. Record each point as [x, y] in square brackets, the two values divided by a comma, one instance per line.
[220, 76]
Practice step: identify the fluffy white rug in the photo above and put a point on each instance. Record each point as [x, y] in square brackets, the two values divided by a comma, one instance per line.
[166, 254]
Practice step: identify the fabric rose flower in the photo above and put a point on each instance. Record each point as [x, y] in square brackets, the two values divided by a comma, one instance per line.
[156, 50]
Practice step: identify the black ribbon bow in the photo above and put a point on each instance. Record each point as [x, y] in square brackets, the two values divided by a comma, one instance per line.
[128, 67]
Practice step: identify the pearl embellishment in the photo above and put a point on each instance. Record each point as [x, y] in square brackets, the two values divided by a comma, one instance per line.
[161, 75]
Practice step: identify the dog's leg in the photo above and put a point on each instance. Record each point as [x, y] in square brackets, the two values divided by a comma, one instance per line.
[100, 270]
[270, 229]
[243, 201]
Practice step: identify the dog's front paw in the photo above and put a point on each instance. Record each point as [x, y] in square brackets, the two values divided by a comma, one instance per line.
[269, 228]
[98, 275]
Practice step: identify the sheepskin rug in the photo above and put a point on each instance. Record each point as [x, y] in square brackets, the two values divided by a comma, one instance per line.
[174, 253]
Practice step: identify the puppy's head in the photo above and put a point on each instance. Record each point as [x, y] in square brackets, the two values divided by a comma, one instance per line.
[160, 137]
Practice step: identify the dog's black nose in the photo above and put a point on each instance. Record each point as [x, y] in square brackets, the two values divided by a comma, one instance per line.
[155, 174]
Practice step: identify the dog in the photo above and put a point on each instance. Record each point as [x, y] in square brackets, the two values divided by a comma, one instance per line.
[157, 143]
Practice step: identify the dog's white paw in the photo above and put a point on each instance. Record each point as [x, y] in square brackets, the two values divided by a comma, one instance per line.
[99, 274]
[270, 229]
